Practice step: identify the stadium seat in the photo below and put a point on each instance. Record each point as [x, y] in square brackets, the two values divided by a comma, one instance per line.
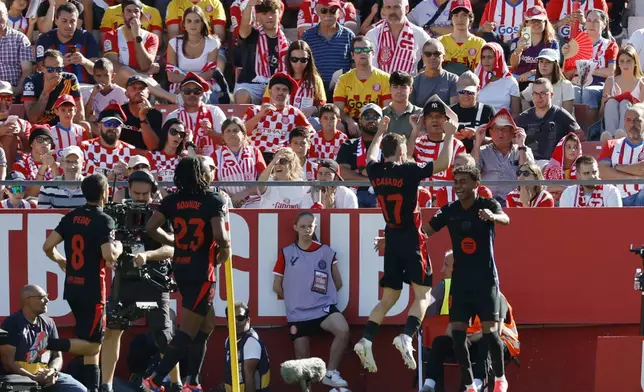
[591, 148]
[234, 110]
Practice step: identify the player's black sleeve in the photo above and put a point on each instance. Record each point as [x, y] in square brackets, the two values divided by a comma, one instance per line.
[494, 206]
[370, 167]
[217, 206]
[105, 233]
[422, 170]
[165, 206]
[60, 229]
[439, 220]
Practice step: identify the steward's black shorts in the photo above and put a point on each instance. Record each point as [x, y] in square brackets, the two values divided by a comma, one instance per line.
[405, 259]
[313, 327]
[90, 320]
[467, 303]
[197, 296]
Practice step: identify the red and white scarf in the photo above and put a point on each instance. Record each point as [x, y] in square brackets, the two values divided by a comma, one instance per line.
[205, 144]
[501, 69]
[361, 154]
[304, 90]
[596, 198]
[262, 65]
[242, 167]
[395, 54]
[555, 169]
[174, 87]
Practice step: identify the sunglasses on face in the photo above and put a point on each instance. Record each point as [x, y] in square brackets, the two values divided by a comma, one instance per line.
[466, 92]
[524, 173]
[283, 161]
[112, 123]
[43, 140]
[371, 117]
[192, 91]
[176, 132]
[55, 69]
[6, 98]
[362, 50]
[302, 60]
[325, 11]
[16, 189]
[433, 54]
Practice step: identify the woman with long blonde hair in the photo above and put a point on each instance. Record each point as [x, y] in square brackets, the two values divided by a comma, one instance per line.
[285, 166]
[529, 195]
[620, 92]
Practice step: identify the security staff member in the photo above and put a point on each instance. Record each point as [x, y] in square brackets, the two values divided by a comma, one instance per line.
[90, 244]
[142, 188]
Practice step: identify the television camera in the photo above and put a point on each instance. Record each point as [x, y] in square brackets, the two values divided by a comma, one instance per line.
[130, 219]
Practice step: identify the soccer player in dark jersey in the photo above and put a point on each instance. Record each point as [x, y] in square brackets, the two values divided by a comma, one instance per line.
[201, 242]
[475, 283]
[88, 234]
[395, 182]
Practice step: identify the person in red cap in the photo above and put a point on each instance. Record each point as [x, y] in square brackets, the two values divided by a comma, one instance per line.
[270, 123]
[397, 42]
[462, 48]
[504, 18]
[107, 154]
[65, 133]
[202, 121]
[526, 48]
[501, 159]
[310, 14]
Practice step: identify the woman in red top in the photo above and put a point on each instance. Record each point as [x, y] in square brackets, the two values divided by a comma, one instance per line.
[529, 195]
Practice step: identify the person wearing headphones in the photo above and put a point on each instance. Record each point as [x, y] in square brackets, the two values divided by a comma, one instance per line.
[142, 188]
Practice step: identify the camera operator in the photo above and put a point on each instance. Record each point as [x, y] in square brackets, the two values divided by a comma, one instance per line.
[142, 188]
[90, 244]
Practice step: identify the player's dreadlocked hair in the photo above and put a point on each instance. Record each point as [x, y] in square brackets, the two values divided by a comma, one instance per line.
[190, 176]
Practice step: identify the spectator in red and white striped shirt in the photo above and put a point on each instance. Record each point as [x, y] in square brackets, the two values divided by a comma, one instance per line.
[238, 160]
[40, 164]
[529, 195]
[65, 133]
[326, 143]
[299, 141]
[12, 128]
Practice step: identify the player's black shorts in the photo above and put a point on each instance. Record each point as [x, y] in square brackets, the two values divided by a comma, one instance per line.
[405, 259]
[309, 327]
[467, 303]
[90, 320]
[197, 296]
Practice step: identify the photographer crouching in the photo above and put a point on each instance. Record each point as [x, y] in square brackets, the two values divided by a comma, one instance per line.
[141, 276]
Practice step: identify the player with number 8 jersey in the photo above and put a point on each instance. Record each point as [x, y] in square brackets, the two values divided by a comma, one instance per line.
[396, 181]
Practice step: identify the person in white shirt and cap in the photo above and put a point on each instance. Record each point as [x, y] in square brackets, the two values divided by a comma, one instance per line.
[72, 160]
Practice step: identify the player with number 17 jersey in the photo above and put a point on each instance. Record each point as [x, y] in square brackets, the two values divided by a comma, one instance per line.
[84, 230]
[194, 245]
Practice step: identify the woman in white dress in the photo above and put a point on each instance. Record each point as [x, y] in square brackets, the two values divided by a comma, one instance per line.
[195, 50]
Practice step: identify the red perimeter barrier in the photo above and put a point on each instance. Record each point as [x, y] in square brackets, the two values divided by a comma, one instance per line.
[556, 266]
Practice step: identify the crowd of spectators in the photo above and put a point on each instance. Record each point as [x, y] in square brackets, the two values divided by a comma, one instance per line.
[81, 84]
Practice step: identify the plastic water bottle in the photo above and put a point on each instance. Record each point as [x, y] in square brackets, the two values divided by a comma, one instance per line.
[636, 283]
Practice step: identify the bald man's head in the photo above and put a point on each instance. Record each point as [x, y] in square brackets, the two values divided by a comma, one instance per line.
[34, 299]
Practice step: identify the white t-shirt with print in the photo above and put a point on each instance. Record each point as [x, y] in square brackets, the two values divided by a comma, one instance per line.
[499, 93]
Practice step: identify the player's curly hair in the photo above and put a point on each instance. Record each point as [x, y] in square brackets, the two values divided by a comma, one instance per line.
[470, 170]
[191, 176]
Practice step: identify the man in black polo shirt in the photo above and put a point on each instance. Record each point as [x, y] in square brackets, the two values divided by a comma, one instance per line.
[143, 122]
[475, 284]
[42, 89]
[26, 355]
[471, 113]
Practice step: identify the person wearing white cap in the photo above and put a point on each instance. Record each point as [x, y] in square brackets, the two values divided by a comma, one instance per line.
[548, 67]
[471, 113]
[53, 196]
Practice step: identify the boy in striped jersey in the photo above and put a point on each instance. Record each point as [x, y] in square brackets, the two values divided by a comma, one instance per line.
[65, 133]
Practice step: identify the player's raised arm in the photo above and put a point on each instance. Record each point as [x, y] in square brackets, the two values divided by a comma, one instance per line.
[374, 149]
[445, 156]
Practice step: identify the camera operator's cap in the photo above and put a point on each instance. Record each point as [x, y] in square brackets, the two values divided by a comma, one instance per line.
[436, 105]
[331, 165]
[192, 77]
[113, 112]
[137, 160]
[40, 130]
[549, 54]
[5, 88]
[63, 99]
[460, 4]
[371, 106]
[136, 79]
[142, 176]
[536, 13]
[503, 119]
[137, 3]
[72, 150]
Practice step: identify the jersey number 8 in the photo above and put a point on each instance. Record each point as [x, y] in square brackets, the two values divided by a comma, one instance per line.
[78, 247]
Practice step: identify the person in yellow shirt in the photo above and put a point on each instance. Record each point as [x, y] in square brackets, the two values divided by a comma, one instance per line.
[360, 86]
[150, 20]
[213, 9]
[462, 48]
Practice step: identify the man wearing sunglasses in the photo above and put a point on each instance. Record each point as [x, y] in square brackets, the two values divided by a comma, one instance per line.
[29, 330]
[202, 121]
[16, 194]
[398, 42]
[12, 128]
[254, 365]
[434, 79]
[143, 121]
[40, 164]
[471, 113]
[363, 85]
[42, 89]
[107, 154]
